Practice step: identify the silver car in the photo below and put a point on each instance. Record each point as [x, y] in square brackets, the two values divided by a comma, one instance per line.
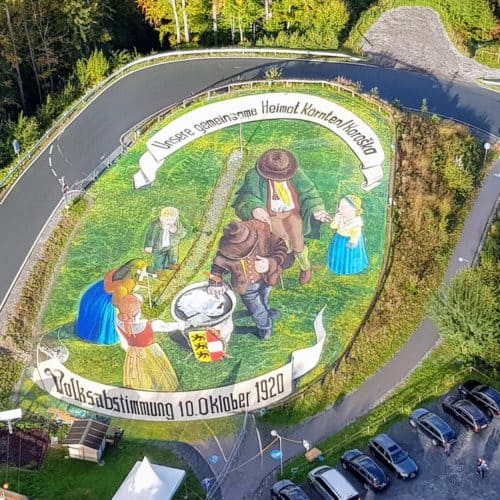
[331, 484]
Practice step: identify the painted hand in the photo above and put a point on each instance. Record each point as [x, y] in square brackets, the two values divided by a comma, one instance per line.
[322, 216]
[352, 244]
[261, 214]
[261, 264]
[217, 291]
[148, 249]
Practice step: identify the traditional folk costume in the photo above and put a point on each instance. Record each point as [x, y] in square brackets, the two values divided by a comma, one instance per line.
[347, 251]
[97, 312]
[280, 187]
[146, 365]
[239, 247]
[164, 243]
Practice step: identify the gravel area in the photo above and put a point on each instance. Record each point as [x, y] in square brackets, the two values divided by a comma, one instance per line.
[414, 38]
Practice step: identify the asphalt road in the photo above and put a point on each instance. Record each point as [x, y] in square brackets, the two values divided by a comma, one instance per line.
[95, 133]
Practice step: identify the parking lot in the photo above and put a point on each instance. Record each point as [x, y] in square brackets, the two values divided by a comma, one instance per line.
[442, 477]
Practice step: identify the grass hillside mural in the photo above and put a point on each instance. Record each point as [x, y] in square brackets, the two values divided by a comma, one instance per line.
[201, 181]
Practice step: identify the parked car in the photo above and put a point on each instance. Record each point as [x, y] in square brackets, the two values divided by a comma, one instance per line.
[331, 484]
[391, 454]
[287, 490]
[365, 469]
[432, 425]
[465, 411]
[483, 395]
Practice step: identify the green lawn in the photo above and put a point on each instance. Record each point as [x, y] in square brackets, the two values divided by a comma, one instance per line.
[114, 232]
[70, 479]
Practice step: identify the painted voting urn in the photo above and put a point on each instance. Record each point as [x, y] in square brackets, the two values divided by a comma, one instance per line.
[204, 312]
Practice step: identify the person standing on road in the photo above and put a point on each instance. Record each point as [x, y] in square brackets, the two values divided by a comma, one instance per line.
[482, 467]
[447, 448]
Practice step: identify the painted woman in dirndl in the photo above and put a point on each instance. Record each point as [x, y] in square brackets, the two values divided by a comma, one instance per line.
[347, 251]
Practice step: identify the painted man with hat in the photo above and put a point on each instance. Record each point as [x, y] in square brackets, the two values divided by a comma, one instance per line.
[280, 194]
[255, 258]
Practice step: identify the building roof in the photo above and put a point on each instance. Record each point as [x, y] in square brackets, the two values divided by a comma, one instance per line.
[88, 433]
[149, 481]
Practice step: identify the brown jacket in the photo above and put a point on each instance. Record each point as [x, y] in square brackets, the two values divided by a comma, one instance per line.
[268, 245]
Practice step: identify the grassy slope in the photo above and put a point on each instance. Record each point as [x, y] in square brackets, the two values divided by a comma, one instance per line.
[80, 480]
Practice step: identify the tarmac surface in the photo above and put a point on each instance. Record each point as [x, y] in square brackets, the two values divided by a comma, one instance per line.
[95, 134]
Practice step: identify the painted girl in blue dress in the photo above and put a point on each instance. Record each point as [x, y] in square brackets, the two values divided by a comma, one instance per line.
[347, 251]
[97, 313]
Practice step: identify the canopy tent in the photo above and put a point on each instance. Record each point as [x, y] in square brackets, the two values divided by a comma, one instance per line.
[149, 481]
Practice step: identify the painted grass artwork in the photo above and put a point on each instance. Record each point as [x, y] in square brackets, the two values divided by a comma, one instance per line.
[115, 227]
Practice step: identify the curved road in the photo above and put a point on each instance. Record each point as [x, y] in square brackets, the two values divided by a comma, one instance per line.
[95, 133]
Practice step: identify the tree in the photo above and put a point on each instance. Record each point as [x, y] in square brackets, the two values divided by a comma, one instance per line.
[240, 15]
[12, 55]
[93, 70]
[467, 314]
[164, 18]
[86, 23]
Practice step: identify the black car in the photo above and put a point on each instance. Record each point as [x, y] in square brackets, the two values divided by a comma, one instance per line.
[483, 395]
[286, 490]
[465, 411]
[365, 469]
[432, 425]
[391, 454]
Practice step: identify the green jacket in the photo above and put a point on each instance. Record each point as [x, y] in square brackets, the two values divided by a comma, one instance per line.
[254, 191]
[155, 232]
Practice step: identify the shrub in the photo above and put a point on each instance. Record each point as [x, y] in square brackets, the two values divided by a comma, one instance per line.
[93, 70]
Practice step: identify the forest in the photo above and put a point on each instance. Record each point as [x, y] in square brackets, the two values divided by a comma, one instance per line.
[51, 52]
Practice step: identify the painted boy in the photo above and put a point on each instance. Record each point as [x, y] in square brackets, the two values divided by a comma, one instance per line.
[163, 238]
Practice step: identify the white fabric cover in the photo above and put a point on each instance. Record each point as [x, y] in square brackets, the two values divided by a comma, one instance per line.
[149, 481]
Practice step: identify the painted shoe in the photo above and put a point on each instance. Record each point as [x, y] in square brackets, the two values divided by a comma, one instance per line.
[305, 276]
[274, 314]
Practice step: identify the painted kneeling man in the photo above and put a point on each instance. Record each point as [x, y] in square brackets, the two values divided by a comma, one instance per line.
[255, 259]
[146, 365]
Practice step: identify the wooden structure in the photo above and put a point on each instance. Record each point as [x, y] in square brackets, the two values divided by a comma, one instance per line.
[313, 454]
[86, 440]
[7, 494]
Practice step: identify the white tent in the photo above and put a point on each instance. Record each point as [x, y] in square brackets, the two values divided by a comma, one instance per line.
[149, 481]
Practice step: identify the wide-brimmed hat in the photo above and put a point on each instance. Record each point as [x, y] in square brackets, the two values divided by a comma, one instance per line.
[238, 240]
[277, 165]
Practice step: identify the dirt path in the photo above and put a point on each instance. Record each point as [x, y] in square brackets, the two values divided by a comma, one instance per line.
[213, 216]
[414, 38]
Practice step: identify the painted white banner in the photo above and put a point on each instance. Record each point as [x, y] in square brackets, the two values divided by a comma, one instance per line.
[61, 383]
[359, 136]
